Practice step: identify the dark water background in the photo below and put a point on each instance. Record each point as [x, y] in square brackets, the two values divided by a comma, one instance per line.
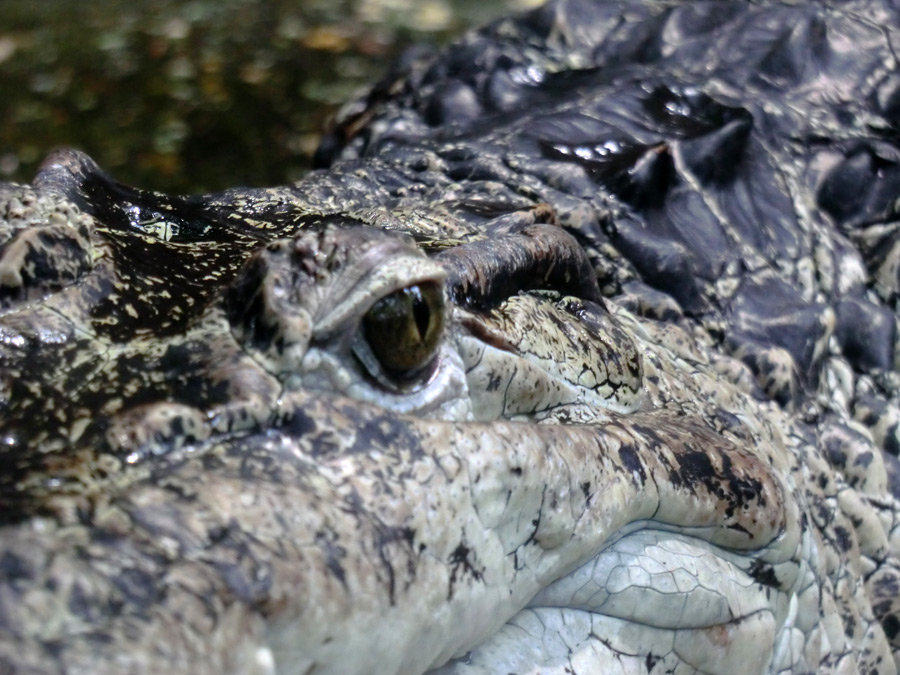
[199, 95]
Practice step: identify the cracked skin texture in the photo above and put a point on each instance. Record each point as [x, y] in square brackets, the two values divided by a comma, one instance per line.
[640, 261]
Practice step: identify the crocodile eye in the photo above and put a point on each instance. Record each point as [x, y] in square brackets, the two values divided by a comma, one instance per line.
[403, 330]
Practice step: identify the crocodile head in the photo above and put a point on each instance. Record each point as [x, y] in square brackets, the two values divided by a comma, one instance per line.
[386, 419]
[357, 449]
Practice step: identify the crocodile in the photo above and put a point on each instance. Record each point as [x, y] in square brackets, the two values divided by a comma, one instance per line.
[576, 355]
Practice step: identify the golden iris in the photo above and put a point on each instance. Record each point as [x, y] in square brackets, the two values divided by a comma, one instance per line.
[403, 329]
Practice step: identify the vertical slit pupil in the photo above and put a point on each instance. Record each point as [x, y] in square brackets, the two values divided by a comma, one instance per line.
[421, 313]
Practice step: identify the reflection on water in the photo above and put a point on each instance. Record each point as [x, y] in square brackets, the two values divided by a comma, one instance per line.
[197, 95]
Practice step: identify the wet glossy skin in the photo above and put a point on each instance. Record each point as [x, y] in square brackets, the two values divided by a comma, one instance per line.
[641, 420]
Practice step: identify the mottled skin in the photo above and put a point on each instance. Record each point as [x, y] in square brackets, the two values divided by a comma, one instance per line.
[640, 413]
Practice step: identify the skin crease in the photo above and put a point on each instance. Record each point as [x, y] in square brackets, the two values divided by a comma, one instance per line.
[651, 436]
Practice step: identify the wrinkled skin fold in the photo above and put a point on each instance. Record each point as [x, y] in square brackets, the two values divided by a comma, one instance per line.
[579, 357]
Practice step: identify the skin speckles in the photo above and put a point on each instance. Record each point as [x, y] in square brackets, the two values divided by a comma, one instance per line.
[326, 489]
[212, 462]
[538, 362]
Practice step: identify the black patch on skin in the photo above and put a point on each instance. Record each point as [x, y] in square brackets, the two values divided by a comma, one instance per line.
[389, 542]
[494, 383]
[823, 513]
[334, 555]
[891, 442]
[744, 490]
[461, 565]
[385, 432]
[693, 467]
[889, 586]
[651, 661]
[631, 460]
[891, 626]
[869, 416]
[402, 539]
[864, 459]
[764, 574]
[833, 446]
[218, 533]
[650, 434]
[760, 358]
[849, 625]
[696, 468]
[892, 468]
[299, 424]
[843, 538]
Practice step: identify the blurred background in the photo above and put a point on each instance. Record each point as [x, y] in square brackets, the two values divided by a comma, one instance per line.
[199, 95]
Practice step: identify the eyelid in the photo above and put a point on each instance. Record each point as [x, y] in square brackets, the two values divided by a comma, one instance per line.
[370, 288]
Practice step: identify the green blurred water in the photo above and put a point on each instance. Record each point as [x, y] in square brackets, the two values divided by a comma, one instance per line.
[198, 95]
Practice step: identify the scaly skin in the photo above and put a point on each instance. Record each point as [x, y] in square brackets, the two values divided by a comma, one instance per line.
[650, 427]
